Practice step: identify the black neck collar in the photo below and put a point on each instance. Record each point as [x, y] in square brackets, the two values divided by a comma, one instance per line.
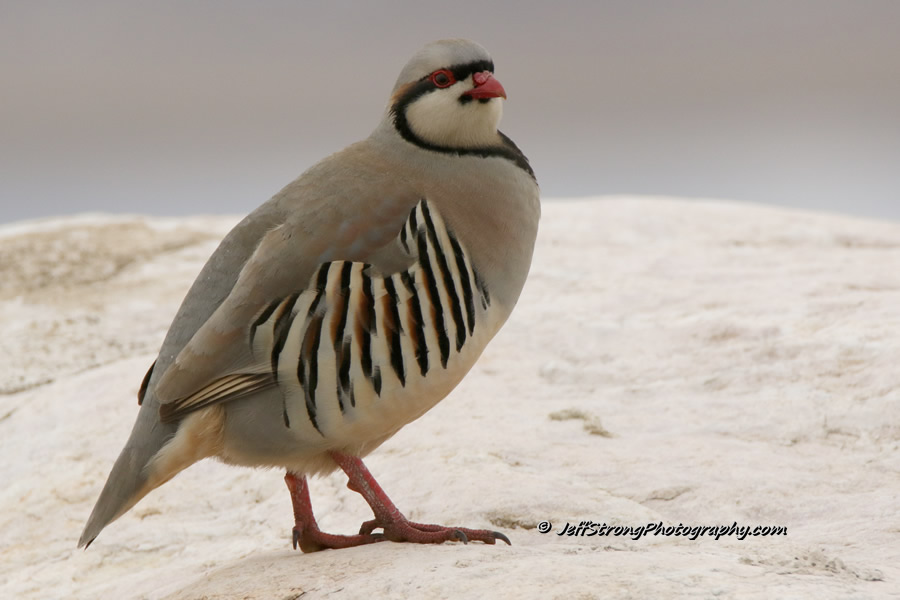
[506, 149]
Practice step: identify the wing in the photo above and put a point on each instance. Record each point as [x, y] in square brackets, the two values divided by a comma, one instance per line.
[219, 362]
[349, 207]
[414, 298]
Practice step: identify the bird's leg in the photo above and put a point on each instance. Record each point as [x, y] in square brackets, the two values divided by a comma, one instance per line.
[398, 528]
[307, 534]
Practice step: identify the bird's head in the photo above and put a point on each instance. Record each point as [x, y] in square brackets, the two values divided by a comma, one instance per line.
[448, 98]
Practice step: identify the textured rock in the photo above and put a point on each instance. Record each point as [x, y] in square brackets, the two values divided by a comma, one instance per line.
[696, 363]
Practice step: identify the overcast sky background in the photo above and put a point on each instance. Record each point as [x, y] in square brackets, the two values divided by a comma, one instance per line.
[174, 108]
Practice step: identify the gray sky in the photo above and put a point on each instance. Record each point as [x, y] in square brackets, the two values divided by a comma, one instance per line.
[213, 106]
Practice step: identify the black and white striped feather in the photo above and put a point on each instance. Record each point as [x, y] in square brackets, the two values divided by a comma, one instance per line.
[354, 332]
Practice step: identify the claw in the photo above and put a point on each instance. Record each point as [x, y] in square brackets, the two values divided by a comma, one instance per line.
[368, 527]
[395, 527]
[296, 538]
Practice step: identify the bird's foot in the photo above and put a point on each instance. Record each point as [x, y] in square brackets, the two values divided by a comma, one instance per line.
[306, 534]
[395, 527]
[309, 538]
[398, 528]
[404, 530]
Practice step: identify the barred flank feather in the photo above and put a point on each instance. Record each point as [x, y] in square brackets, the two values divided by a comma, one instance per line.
[360, 318]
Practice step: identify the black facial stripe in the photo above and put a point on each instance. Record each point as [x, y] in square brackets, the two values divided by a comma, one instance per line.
[460, 72]
[507, 150]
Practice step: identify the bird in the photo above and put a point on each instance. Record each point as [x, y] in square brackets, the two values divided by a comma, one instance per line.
[346, 306]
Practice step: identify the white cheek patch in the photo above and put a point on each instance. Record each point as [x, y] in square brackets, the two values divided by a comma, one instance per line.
[440, 118]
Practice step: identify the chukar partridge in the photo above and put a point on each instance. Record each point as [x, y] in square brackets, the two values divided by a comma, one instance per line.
[347, 305]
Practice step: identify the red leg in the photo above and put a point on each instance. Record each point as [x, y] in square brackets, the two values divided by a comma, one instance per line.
[396, 527]
[307, 534]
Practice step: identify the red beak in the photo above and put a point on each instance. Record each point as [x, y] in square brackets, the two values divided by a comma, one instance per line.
[485, 87]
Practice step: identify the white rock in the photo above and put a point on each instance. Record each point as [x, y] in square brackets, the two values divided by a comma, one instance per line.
[701, 363]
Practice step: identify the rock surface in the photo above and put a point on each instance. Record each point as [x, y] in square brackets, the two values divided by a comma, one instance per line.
[695, 363]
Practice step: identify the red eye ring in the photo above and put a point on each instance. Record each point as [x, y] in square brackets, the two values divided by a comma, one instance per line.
[443, 78]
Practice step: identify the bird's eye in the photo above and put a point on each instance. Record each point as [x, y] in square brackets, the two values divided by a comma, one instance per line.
[443, 78]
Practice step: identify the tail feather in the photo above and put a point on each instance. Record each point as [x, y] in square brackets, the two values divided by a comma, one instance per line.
[131, 477]
[128, 481]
